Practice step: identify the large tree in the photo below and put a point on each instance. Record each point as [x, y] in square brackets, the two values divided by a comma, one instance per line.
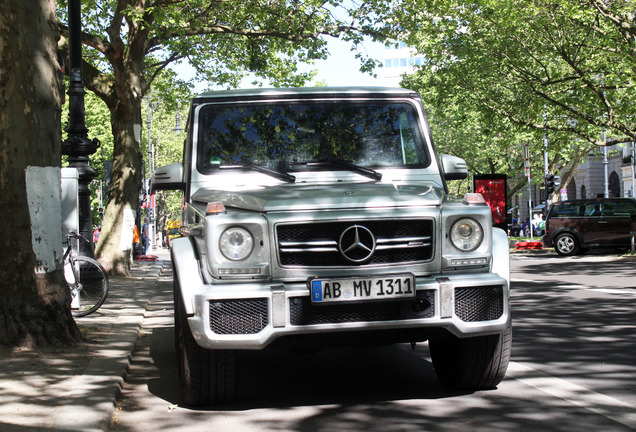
[490, 143]
[130, 42]
[561, 66]
[34, 298]
[497, 70]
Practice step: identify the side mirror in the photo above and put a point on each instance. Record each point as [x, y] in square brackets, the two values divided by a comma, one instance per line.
[169, 177]
[454, 168]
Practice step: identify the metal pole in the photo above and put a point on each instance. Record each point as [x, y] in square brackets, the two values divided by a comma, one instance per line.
[150, 200]
[633, 167]
[545, 170]
[530, 207]
[606, 191]
[77, 146]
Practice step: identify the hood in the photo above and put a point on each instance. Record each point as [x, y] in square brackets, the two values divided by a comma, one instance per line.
[297, 197]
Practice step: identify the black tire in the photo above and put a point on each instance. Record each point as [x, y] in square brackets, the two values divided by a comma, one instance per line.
[566, 244]
[474, 363]
[92, 287]
[206, 377]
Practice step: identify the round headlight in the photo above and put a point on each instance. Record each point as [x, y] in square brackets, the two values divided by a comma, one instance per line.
[466, 234]
[236, 243]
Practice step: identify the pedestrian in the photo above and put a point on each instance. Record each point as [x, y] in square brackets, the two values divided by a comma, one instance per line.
[525, 227]
[96, 234]
[515, 229]
[145, 239]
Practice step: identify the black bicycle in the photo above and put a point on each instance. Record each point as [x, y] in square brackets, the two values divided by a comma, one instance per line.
[86, 279]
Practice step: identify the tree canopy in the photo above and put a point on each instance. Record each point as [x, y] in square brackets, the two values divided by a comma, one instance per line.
[131, 42]
[563, 66]
[502, 73]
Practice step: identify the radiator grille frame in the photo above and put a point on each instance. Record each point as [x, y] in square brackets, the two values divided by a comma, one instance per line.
[315, 244]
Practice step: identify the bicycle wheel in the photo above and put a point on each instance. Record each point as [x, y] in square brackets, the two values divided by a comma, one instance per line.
[92, 287]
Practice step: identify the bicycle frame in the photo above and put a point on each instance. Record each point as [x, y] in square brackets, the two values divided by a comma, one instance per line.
[71, 273]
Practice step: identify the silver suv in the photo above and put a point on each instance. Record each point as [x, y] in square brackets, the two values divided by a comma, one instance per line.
[321, 217]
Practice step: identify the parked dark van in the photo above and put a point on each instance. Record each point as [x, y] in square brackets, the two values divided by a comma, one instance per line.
[575, 226]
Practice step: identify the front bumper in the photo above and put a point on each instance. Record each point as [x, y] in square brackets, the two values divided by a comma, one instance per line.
[253, 315]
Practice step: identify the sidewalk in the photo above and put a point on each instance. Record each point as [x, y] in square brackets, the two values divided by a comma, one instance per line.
[75, 389]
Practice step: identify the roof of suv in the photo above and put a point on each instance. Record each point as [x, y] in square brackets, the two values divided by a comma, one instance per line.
[591, 200]
[298, 92]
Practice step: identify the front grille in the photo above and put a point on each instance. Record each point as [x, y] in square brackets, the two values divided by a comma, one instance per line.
[315, 244]
[303, 312]
[479, 304]
[238, 316]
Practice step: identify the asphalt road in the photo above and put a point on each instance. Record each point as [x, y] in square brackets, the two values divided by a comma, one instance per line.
[573, 368]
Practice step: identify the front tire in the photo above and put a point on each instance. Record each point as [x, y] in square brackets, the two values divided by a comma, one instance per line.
[206, 377]
[474, 363]
[566, 244]
[91, 286]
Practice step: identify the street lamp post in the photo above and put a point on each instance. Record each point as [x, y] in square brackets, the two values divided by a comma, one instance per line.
[152, 228]
[633, 168]
[605, 162]
[78, 146]
[151, 202]
[177, 127]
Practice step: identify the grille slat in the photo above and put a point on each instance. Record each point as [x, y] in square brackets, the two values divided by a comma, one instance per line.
[315, 244]
[479, 304]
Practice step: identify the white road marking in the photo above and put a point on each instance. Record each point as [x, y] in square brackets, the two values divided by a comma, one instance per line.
[598, 403]
[615, 291]
[621, 291]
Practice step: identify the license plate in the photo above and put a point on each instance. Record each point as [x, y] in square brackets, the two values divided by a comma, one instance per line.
[357, 289]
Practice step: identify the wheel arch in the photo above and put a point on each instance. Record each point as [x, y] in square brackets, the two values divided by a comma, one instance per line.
[566, 230]
[186, 271]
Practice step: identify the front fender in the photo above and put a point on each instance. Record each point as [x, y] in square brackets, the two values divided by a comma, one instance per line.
[186, 271]
[500, 254]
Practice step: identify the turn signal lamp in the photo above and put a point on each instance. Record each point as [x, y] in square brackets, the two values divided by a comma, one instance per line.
[215, 208]
[473, 198]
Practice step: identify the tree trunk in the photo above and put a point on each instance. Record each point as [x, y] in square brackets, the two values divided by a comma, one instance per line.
[115, 247]
[34, 297]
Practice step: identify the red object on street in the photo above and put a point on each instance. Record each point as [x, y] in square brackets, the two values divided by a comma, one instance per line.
[529, 245]
[146, 258]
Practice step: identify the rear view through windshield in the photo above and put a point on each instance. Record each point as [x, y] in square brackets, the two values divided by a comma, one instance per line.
[291, 135]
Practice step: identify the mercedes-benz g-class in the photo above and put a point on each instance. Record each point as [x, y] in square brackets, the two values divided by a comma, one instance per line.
[321, 217]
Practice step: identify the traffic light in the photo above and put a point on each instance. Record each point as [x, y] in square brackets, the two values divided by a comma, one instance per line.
[549, 184]
[101, 213]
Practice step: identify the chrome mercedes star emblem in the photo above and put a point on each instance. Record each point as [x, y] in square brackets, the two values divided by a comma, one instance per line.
[357, 244]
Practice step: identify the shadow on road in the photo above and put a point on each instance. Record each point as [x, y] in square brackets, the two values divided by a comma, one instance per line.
[392, 388]
[277, 378]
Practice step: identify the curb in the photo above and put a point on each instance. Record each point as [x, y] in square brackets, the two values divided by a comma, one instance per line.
[93, 395]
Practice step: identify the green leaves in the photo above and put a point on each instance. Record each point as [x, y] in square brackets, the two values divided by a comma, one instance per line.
[537, 62]
[501, 72]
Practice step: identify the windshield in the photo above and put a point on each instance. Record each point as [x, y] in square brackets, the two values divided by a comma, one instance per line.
[287, 136]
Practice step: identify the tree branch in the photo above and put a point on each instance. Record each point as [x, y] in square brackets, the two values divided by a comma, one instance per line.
[334, 31]
[96, 81]
[100, 44]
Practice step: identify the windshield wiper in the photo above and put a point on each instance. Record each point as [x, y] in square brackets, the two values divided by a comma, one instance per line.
[367, 172]
[261, 169]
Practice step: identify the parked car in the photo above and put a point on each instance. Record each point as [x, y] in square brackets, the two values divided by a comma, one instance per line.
[172, 231]
[321, 217]
[575, 226]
